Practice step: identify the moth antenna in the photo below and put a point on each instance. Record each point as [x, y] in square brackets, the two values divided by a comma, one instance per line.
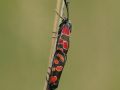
[66, 4]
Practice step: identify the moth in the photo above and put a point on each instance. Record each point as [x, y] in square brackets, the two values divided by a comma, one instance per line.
[60, 54]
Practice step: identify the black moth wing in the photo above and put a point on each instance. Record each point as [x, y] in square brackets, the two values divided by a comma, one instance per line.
[60, 55]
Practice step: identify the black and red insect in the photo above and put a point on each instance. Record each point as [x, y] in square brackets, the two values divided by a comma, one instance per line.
[60, 55]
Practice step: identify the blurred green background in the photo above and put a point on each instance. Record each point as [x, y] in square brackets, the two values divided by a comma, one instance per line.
[25, 39]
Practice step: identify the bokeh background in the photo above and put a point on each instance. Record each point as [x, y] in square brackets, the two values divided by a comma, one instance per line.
[25, 39]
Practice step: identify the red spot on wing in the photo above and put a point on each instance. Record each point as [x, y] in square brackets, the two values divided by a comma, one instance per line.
[59, 68]
[66, 30]
[61, 57]
[53, 79]
[65, 45]
[56, 61]
[60, 41]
